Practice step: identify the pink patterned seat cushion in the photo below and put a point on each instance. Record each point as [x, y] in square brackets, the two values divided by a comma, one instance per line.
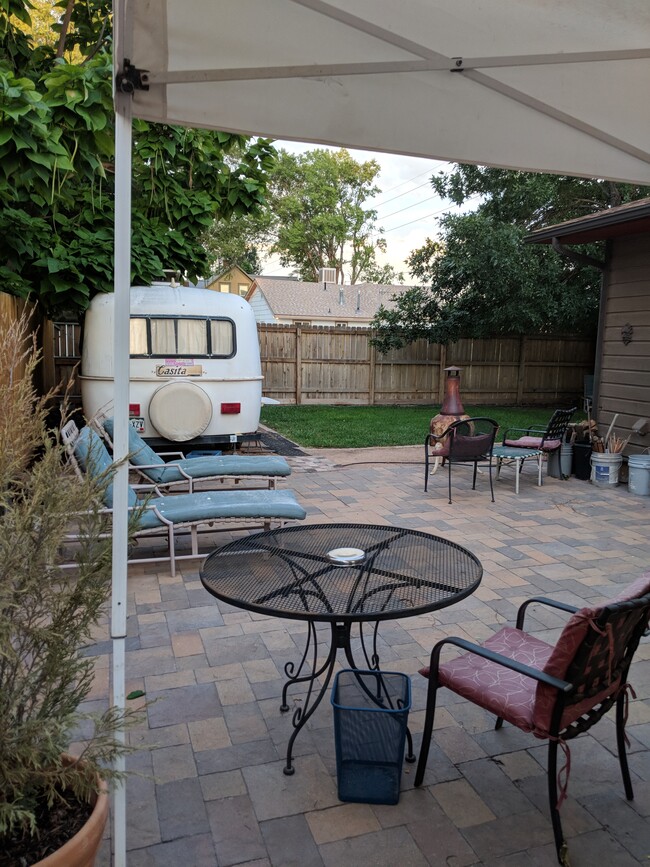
[499, 690]
[523, 701]
[534, 443]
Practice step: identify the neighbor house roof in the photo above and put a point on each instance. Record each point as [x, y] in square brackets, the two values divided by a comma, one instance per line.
[294, 299]
[629, 219]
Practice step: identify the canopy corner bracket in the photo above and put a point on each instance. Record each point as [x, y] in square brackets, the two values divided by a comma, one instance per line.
[458, 65]
[130, 78]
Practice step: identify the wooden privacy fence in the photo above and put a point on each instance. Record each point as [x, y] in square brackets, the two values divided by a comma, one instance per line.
[11, 309]
[61, 354]
[324, 365]
[319, 365]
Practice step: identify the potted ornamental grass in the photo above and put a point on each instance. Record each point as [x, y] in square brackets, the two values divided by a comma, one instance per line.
[48, 791]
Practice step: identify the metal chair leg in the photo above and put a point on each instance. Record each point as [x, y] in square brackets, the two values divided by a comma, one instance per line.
[552, 798]
[172, 550]
[620, 743]
[432, 694]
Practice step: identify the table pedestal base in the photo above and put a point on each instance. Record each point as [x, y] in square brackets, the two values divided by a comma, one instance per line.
[307, 671]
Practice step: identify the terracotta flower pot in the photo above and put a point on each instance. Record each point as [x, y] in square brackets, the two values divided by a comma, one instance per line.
[81, 850]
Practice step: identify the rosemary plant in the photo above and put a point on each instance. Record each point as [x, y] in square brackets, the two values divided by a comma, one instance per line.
[47, 615]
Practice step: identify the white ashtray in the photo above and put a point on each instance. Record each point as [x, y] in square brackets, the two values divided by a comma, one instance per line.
[346, 556]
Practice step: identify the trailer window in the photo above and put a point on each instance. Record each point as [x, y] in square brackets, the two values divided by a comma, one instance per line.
[139, 342]
[169, 337]
[163, 337]
[192, 337]
[222, 337]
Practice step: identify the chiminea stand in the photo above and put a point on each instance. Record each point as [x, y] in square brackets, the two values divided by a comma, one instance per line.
[450, 411]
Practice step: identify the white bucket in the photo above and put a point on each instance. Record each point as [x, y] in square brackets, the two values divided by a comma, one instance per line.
[605, 468]
[639, 479]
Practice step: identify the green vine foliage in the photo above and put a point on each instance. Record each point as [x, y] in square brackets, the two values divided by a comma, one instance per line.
[57, 171]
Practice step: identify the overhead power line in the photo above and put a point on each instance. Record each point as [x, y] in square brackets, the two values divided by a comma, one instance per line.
[426, 216]
[406, 193]
[415, 177]
[408, 207]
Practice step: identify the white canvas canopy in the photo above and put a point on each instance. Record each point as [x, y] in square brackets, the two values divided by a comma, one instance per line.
[555, 86]
[545, 85]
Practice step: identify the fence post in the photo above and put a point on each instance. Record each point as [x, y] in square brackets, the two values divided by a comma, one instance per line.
[47, 357]
[298, 365]
[521, 371]
[371, 374]
[441, 372]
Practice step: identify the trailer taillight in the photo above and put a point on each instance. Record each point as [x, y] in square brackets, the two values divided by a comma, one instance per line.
[134, 409]
[230, 408]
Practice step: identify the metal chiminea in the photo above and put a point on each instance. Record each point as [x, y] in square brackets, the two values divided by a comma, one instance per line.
[452, 407]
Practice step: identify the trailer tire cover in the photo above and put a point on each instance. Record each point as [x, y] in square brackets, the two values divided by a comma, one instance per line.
[180, 410]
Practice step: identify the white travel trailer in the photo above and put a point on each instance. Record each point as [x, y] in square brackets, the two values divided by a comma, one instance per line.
[196, 375]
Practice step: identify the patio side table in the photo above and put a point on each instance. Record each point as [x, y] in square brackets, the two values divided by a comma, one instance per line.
[341, 574]
[510, 453]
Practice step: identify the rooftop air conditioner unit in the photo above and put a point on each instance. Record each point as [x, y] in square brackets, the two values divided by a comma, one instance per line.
[327, 275]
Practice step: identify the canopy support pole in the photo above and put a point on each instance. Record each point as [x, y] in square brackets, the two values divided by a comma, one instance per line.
[122, 283]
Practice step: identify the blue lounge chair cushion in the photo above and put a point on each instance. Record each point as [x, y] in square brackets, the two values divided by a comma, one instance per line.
[94, 459]
[215, 505]
[198, 468]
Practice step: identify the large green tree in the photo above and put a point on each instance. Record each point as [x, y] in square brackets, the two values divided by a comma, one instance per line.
[480, 278]
[320, 217]
[57, 174]
[239, 241]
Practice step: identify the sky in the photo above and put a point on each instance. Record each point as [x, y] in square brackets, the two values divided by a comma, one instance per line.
[407, 208]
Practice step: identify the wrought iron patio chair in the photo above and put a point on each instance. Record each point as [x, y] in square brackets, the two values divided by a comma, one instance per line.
[538, 439]
[554, 692]
[467, 441]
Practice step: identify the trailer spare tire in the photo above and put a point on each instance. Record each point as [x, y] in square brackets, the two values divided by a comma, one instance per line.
[180, 410]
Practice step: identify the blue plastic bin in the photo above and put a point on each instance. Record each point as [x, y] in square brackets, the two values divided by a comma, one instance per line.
[371, 711]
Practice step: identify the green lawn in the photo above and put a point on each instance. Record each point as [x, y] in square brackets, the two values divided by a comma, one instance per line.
[363, 426]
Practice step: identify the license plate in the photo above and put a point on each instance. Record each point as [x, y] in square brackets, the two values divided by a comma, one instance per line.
[137, 423]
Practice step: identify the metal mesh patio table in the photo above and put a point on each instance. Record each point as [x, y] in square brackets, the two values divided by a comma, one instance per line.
[341, 574]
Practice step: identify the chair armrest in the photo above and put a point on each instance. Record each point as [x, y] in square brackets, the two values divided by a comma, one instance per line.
[149, 488]
[147, 507]
[542, 600]
[430, 437]
[536, 673]
[518, 430]
[171, 465]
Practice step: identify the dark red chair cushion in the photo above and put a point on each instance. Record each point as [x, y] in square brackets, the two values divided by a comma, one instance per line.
[534, 443]
[520, 700]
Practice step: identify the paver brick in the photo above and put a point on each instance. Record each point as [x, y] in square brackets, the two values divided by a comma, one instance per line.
[216, 739]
